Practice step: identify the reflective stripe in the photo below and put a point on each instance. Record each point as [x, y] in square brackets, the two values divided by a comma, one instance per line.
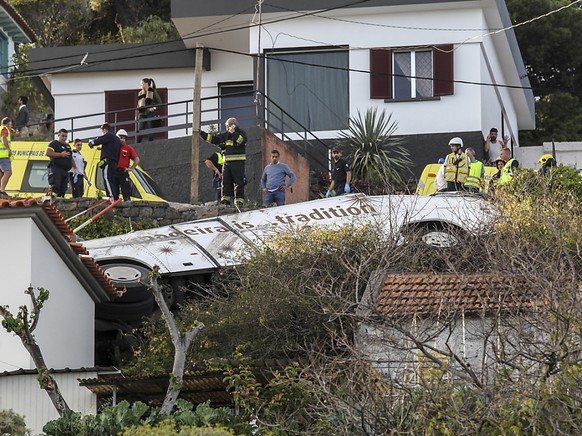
[456, 172]
[235, 157]
[475, 175]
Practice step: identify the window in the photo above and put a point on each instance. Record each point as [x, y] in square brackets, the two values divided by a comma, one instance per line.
[311, 87]
[402, 75]
[35, 176]
[237, 100]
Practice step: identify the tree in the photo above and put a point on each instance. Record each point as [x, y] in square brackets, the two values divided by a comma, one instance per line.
[552, 52]
[377, 157]
[74, 22]
[23, 326]
[180, 341]
[304, 298]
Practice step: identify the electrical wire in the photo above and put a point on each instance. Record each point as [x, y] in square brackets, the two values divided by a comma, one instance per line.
[146, 48]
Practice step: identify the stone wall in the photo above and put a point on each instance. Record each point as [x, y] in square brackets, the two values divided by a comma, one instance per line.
[163, 213]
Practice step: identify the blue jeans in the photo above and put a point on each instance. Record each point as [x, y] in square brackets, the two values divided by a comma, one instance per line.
[277, 197]
[145, 122]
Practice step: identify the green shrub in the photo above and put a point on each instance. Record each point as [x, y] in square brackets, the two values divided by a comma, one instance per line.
[168, 428]
[12, 423]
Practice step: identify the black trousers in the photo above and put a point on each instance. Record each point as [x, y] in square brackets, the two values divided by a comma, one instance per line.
[109, 170]
[121, 179]
[58, 179]
[78, 187]
[233, 175]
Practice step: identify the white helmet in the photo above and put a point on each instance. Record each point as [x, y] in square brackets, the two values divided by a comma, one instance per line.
[122, 132]
[456, 141]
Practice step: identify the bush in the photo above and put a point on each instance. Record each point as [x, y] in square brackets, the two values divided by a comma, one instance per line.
[12, 423]
[168, 428]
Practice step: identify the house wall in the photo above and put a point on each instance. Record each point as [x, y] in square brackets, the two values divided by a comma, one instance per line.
[460, 112]
[65, 332]
[398, 359]
[79, 94]
[22, 394]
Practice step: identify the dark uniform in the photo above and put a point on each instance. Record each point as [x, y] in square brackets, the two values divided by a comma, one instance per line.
[233, 173]
[339, 175]
[217, 160]
[58, 175]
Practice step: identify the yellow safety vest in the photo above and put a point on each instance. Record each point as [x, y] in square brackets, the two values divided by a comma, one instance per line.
[4, 150]
[506, 173]
[456, 172]
[475, 175]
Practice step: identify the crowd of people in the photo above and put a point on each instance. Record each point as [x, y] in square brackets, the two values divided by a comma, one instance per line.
[462, 171]
[228, 167]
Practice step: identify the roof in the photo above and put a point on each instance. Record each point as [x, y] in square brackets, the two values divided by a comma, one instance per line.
[14, 25]
[97, 369]
[199, 385]
[450, 295]
[54, 227]
[111, 57]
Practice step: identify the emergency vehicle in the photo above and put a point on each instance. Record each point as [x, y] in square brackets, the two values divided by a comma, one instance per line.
[426, 182]
[192, 251]
[30, 174]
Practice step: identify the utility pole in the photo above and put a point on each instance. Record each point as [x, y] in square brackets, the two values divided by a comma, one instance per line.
[195, 164]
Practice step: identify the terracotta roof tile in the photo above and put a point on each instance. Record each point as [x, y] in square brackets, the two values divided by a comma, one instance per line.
[57, 218]
[448, 295]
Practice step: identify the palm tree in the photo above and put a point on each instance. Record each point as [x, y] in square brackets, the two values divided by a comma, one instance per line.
[377, 157]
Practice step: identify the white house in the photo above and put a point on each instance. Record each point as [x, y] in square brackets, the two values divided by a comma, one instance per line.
[442, 68]
[38, 251]
[414, 321]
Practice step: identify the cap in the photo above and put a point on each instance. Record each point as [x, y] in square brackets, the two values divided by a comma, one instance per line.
[122, 132]
[335, 149]
[456, 141]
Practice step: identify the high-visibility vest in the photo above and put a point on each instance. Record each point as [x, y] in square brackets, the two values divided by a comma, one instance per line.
[4, 150]
[219, 158]
[475, 175]
[506, 173]
[456, 172]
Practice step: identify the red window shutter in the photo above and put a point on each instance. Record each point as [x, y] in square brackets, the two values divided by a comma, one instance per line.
[443, 69]
[380, 73]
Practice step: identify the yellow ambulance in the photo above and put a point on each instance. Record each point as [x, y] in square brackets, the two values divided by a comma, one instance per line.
[30, 174]
[426, 181]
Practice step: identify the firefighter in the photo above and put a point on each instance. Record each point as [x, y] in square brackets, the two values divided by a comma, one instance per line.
[508, 170]
[456, 166]
[547, 161]
[233, 142]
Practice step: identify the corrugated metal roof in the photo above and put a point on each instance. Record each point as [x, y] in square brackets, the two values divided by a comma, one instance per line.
[446, 295]
[21, 371]
[198, 385]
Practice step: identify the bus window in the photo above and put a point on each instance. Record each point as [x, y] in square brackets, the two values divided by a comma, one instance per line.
[35, 177]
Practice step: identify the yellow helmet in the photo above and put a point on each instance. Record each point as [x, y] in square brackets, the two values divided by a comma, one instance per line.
[544, 159]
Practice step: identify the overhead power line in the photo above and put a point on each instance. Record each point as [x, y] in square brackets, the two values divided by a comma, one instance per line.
[145, 49]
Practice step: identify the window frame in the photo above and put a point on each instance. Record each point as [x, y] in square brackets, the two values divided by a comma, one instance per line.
[382, 77]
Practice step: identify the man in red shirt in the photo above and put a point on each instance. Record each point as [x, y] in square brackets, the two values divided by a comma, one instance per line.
[125, 165]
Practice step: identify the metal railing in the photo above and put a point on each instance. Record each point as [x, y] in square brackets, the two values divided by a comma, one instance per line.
[267, 114]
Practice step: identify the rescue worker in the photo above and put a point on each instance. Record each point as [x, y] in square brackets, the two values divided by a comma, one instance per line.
[456, 166]
[476, 178]
[508, 170]
[214, 163]
[499, 164]
[547, 161]
[233, 142]
[128, 161]
[5, 155]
